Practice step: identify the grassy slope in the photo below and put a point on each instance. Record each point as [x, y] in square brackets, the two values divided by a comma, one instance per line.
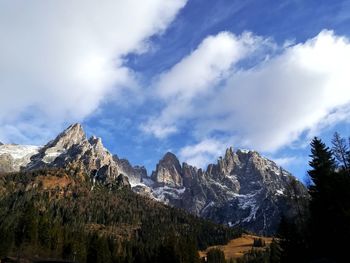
[237, 247]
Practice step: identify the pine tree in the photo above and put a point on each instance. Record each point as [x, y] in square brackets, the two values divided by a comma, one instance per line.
[322, 174]
[292, 242]
[215, 255]
[323, 166]
[258, 242]
[275, 252]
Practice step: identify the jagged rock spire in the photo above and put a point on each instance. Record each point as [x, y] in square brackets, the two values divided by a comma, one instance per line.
[229, 153]
[168, 171]
[74, 134]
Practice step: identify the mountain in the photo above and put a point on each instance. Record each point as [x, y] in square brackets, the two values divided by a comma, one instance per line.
[72, 148]
[242, 189]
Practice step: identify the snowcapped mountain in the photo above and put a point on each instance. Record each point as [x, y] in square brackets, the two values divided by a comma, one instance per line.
[13, 157]
[241, 189]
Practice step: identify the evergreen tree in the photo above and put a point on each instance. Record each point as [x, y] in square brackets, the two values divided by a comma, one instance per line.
[322, 164]
[323, 167]
[293, 242]
[258, 242]
[275, 252]
[215, 255]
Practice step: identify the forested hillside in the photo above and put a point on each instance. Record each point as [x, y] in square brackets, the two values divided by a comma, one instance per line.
[61, 214]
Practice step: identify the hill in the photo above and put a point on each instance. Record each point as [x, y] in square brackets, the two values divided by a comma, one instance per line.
[63, 214]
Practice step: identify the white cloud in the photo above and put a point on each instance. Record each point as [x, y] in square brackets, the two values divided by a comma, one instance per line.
[286, 161]
[299, 89]
[205, 66]
[160, 131]
[202, 153]
[196, 75]
[272, 104]
[61, 59]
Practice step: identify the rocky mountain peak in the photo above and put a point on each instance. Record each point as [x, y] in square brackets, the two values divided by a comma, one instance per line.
[229, 153]
[1, 143]
[230, 160]
[96, 143]
[169, 158]
[247, 154]
[74, 134]
[168, 171]
[71, 147]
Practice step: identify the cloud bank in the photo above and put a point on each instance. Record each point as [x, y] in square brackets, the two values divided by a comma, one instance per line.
[59, 60]
[292, 90]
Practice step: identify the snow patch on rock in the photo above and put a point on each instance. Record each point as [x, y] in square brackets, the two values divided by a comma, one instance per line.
[20, 154]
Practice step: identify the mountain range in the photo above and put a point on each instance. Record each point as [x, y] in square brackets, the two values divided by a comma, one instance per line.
[241, 189]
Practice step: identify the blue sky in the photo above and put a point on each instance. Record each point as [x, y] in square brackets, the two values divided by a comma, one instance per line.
[192, 77]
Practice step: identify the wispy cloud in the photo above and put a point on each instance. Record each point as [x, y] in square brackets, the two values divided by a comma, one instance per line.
[286, 161]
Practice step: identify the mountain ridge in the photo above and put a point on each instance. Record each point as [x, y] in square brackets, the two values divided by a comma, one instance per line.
[241, 189]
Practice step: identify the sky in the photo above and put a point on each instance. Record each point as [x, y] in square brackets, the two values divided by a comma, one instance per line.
[188, 76]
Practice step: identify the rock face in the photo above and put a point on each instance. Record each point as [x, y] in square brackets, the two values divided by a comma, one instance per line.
[6, 163]
[134, 173]
[241, 189]
[168, 172]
